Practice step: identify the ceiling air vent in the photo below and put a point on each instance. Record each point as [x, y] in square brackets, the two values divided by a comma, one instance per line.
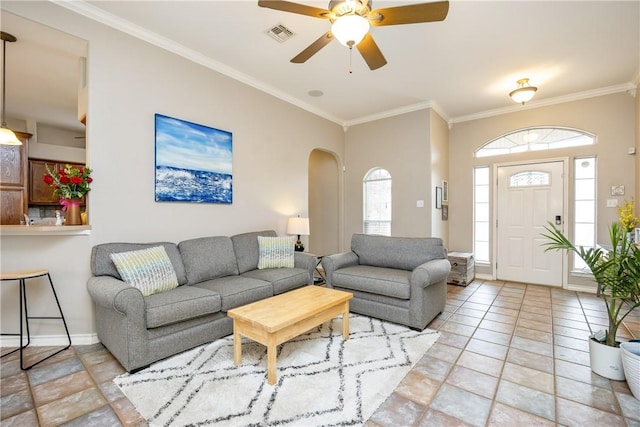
[280, 33]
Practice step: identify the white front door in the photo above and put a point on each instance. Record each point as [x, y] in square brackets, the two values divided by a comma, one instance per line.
[529, 196]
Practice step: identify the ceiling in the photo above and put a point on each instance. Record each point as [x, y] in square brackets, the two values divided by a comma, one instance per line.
[464, 67]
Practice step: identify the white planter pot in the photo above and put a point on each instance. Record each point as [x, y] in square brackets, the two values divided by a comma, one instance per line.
[630, 352]
[606, 361]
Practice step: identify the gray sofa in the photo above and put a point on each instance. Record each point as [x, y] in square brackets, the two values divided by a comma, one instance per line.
[399, 279]
[214, 275]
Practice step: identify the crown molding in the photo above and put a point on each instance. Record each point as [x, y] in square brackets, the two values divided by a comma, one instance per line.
[626, 87]
[83, 8]
[398, 111]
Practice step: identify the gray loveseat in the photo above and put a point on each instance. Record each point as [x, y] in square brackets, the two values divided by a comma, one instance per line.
[399, 279]
[214, 275]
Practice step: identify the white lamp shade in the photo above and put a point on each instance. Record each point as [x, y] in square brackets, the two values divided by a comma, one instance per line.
[350, 29]
[7, 137]
[523, 95]
[298, 226]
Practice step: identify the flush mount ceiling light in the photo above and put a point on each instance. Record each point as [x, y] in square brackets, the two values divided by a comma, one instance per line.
[524, 92]
[7, 137]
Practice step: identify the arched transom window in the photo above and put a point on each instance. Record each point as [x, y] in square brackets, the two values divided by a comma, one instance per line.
[535, 139]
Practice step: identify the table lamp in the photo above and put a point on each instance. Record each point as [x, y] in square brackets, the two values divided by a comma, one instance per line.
[298, 226]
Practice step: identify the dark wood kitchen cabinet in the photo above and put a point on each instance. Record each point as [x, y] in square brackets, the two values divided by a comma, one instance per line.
[14, 178]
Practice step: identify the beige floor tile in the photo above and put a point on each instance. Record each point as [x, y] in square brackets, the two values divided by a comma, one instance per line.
[506, 416]
[586, 394]
[461, 404]
[528, 377]
[481, 363]
[526, 399]
[530, 360]
[61, 387]
[418, 388]
[473, 381]
[70, 407]
[576, 414]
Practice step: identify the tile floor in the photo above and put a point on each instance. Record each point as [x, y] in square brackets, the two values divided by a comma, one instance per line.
[509, 355]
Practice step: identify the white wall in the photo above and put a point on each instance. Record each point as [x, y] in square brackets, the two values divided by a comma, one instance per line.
[129, 81]
[439, 161]
[401, 145]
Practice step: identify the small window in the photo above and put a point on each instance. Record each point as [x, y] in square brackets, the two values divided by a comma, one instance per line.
[584, 231]
[377, 202]
[529, 179]
[481, 214]
[535, 139]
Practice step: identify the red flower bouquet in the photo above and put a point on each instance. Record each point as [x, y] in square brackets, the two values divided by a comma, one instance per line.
[70, 182]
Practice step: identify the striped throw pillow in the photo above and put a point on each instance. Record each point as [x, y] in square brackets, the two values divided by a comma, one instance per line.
[150, 270]
[276, 252]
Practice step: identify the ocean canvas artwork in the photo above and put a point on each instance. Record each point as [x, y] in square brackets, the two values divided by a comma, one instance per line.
[193, 162]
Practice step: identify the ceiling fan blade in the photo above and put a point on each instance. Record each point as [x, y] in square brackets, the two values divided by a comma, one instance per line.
[371, 52]
[301, 9]
[410, 14]
[313, 48]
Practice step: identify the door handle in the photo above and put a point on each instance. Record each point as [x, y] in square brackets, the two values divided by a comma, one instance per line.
[558, 220]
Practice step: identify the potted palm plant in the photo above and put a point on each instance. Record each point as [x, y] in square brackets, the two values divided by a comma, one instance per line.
[616, 271]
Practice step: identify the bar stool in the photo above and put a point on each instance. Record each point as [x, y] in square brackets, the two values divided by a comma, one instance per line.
[21, 276]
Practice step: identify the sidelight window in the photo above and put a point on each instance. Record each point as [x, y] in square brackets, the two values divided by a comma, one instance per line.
[377, 202]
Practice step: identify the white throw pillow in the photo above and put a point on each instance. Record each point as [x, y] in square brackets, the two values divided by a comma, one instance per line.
[276, 252]
[150, 270]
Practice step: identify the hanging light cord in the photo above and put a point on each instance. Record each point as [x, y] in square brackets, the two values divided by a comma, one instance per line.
[4, 77]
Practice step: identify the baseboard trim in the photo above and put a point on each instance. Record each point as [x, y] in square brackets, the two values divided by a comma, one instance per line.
[588, 289]
[50, 340]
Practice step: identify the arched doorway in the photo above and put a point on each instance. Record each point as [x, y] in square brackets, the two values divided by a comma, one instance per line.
[325, 203]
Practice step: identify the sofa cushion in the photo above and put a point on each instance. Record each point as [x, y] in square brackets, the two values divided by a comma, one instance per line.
[245, 246]
[238, 290]
[102, 264]
[282, 279]
[276, 252]
[405, 253]
[148, 270]
[207, 258]
[376, 280]
[180, 304]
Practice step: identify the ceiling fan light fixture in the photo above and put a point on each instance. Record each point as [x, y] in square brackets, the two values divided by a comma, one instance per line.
[349, 30]
[524, 92]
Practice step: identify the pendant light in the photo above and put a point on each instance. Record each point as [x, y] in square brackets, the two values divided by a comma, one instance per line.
[524, 92]
[7, 137]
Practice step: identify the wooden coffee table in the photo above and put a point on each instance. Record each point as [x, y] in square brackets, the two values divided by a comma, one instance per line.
[275, 320]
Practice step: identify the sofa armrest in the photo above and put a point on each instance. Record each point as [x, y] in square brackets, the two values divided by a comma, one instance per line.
[112, 293]
[307, 262]
[430, 272]
[331, 263]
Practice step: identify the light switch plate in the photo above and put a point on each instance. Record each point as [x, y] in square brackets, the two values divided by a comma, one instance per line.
[419, 203]
[612, 203]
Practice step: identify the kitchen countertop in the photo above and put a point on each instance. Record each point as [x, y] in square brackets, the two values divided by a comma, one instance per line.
[45, 230]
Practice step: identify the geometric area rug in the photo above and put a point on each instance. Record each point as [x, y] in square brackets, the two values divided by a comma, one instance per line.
[321, 378]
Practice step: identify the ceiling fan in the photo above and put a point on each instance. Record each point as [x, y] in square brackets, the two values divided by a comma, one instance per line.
[350, 21]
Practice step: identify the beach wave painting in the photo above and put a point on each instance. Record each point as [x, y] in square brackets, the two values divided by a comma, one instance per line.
[193, 162]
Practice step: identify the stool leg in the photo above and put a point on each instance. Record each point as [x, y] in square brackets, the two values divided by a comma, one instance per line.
[22, 299]
[64, 322]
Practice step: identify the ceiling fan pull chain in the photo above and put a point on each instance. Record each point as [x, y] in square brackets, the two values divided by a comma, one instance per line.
[350, 60]
[350, 57]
